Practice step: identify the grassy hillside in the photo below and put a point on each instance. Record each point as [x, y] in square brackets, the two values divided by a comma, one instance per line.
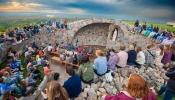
[164, 26]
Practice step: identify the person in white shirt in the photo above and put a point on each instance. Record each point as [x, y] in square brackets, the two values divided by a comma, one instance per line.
[49, 47]
[140, 60]
[39, 61]
[30, 49]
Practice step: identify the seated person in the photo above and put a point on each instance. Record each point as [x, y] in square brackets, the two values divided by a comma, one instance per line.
[30, 81]
[30, 49]
[9, 80]
[5, 87]
[100, 63]
[47, 69]
[131, 55]
[122, 57]
[86, 71]
[24, 91]
[49, 47]
[73, 83]
[90, 51]
[68, 58]
[35, 73]
[62, 57]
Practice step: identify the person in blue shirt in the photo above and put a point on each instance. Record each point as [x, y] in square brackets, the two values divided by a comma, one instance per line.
[100, 63]
[69, 47]
[24, 91]
[149, 30]
[73, 84]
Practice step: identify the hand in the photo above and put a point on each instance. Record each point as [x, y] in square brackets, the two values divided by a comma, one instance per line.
[44, 95]
[103, 97]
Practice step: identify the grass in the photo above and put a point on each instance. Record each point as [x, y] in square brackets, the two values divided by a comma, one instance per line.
[3, 65]
[164, 26]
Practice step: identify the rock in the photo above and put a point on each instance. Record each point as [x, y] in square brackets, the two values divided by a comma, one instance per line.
[94, 86]
[102, 90]
[102, 85]
[83, 95]
[98, 93]
[86, 89]
[114, 91]
[164, 76]
[109, 91]
[112, 83]
[78, 98]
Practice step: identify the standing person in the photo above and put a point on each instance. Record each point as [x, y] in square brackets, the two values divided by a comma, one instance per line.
[159, 56]
[54, 91]
[86, 71]
[131, 55]
[167, 54]
[73, 83]
[100, 63]
[150, 54]
[140, 60]
[90, 51]
[122, 57]
[112, 60]
[75, 60]
[170, 88]
[137, 89]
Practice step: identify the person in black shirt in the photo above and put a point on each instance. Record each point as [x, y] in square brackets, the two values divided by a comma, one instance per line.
[135, 26]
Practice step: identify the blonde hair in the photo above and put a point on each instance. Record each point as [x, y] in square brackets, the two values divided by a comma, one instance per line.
[54, 89]
[131, 47]
[99, 53]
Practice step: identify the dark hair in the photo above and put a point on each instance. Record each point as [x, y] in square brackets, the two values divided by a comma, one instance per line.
[1, 80]
[112, 50]
[150, 46]
[85, 59]
[122, 47]
[56, 76]
[70, 70]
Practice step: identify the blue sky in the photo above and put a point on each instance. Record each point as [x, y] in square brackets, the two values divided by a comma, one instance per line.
[162, 9]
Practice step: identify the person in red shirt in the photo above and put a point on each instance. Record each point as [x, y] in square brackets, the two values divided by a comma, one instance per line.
[40, 53]
[47, 69]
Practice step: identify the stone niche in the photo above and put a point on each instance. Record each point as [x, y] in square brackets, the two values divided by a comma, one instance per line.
[92, 34]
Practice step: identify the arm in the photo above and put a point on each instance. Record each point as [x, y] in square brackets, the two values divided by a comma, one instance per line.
[95, 64]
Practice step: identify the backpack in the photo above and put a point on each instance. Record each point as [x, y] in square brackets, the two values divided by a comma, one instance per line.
[108, 76]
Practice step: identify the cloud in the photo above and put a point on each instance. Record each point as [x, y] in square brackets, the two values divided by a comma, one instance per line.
[139, 8]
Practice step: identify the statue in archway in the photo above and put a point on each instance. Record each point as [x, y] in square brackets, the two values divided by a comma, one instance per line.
[115, 35]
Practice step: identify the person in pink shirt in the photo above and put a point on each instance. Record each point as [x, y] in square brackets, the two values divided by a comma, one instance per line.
[137, 89]
[47, 69]
[122, 57]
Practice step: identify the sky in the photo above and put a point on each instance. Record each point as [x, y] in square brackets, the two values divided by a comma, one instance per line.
[162, 9]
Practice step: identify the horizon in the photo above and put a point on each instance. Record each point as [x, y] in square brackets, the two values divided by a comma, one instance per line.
[153, 10]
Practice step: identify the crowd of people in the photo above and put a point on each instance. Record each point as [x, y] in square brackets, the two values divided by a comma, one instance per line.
[159, 35]
[19, 34]
[105, 62]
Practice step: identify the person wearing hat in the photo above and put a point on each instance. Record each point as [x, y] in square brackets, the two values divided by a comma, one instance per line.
[131, 55]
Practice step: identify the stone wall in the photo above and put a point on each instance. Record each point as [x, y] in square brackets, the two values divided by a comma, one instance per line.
[93, 34]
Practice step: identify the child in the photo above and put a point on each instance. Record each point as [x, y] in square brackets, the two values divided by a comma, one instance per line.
[159, 56]
[24, 91]
[68, 58]
[167, 54]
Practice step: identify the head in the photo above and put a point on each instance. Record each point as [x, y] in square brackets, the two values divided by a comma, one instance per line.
[24, 83]
[54, 89]
[70, 71]
[99, 53]
[137, 86]
[85, 59]
[131, 47]
[56, 76]
[8, 69]
[167, 47]
[139, 49]
[161, 47]
[150, 47]
[112, 51]
[122, 48]
[6, 95]
[1, 80]
[5, 74]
